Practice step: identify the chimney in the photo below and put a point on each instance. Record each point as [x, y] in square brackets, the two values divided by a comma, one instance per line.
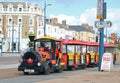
[85, 25]
[91, 27]
[64, 22]
[54, 20]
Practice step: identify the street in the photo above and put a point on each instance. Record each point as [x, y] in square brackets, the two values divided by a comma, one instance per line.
[12, 75]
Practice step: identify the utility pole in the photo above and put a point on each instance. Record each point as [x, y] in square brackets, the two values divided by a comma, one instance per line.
[12, 36]
[101, 24]
[45, 5]
[101, 43]
[100, 13]
[44, 17]
[19, 39]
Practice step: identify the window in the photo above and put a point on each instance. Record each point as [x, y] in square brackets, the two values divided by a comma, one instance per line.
[39, 32]
[35, 9]
[81, 34]
[0, 21]
[0, 8]
[10, 9]
[31, 9]
[20, 9]
[31, 22]
[10, 21]
[55, 29]
[20, 21]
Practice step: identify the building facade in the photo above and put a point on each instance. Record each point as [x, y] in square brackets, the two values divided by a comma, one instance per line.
[53, 28]
[16, 19]
[84, 32]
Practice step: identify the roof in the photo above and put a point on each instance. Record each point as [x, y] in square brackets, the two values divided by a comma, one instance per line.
[80, 28]
[16, 3]
[60, 25]
[74, 42]
[48, 38]
[109, 45]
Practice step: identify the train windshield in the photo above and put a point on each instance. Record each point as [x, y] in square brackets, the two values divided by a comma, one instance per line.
[44, 44]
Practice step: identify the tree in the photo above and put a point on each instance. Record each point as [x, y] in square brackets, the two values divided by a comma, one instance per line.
[118, 46]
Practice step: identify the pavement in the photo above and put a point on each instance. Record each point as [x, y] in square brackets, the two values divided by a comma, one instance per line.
[9, 60]
[9, 54]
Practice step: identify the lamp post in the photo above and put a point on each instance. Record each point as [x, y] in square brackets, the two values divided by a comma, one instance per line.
[12, 36]
[45, 18]
[19, 39]
[0, 43]
[45, 5]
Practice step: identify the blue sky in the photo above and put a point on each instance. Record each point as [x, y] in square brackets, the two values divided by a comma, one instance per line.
[74, 7]
[84, 11]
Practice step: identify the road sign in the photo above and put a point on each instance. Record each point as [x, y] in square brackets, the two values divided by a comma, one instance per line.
[107, 23]
[101, 24]
[99, 9]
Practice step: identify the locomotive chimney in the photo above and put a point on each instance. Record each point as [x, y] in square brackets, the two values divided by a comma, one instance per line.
[31, 36]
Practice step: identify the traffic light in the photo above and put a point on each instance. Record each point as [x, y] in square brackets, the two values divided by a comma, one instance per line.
[96, 38]
[14, 46]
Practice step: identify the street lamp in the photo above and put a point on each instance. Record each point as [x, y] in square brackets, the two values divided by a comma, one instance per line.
[0, 43]
[45, 5]
[19, 38]
[12, 36]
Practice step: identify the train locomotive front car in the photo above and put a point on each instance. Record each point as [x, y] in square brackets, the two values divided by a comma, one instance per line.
[44, 56]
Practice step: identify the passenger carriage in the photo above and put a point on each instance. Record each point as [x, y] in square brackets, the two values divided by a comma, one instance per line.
[111, 48]
[72, 54]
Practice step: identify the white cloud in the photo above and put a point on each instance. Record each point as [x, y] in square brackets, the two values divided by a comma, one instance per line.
[89, 16]
[70, 20]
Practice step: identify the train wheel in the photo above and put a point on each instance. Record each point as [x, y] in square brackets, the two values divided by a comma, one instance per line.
[59, 70]
[47, 71]
[26, 73]
[83, 67]
[73, 68]
[113, 62]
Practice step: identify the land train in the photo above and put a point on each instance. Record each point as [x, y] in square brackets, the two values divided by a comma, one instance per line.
[47, 54]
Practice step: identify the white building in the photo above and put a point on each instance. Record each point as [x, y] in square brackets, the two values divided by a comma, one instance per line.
[53, 28]
[16, 19]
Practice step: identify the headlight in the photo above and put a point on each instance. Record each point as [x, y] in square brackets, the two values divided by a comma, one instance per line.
[38, 64]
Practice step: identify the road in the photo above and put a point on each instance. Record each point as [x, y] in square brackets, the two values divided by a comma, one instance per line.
[11, 75]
